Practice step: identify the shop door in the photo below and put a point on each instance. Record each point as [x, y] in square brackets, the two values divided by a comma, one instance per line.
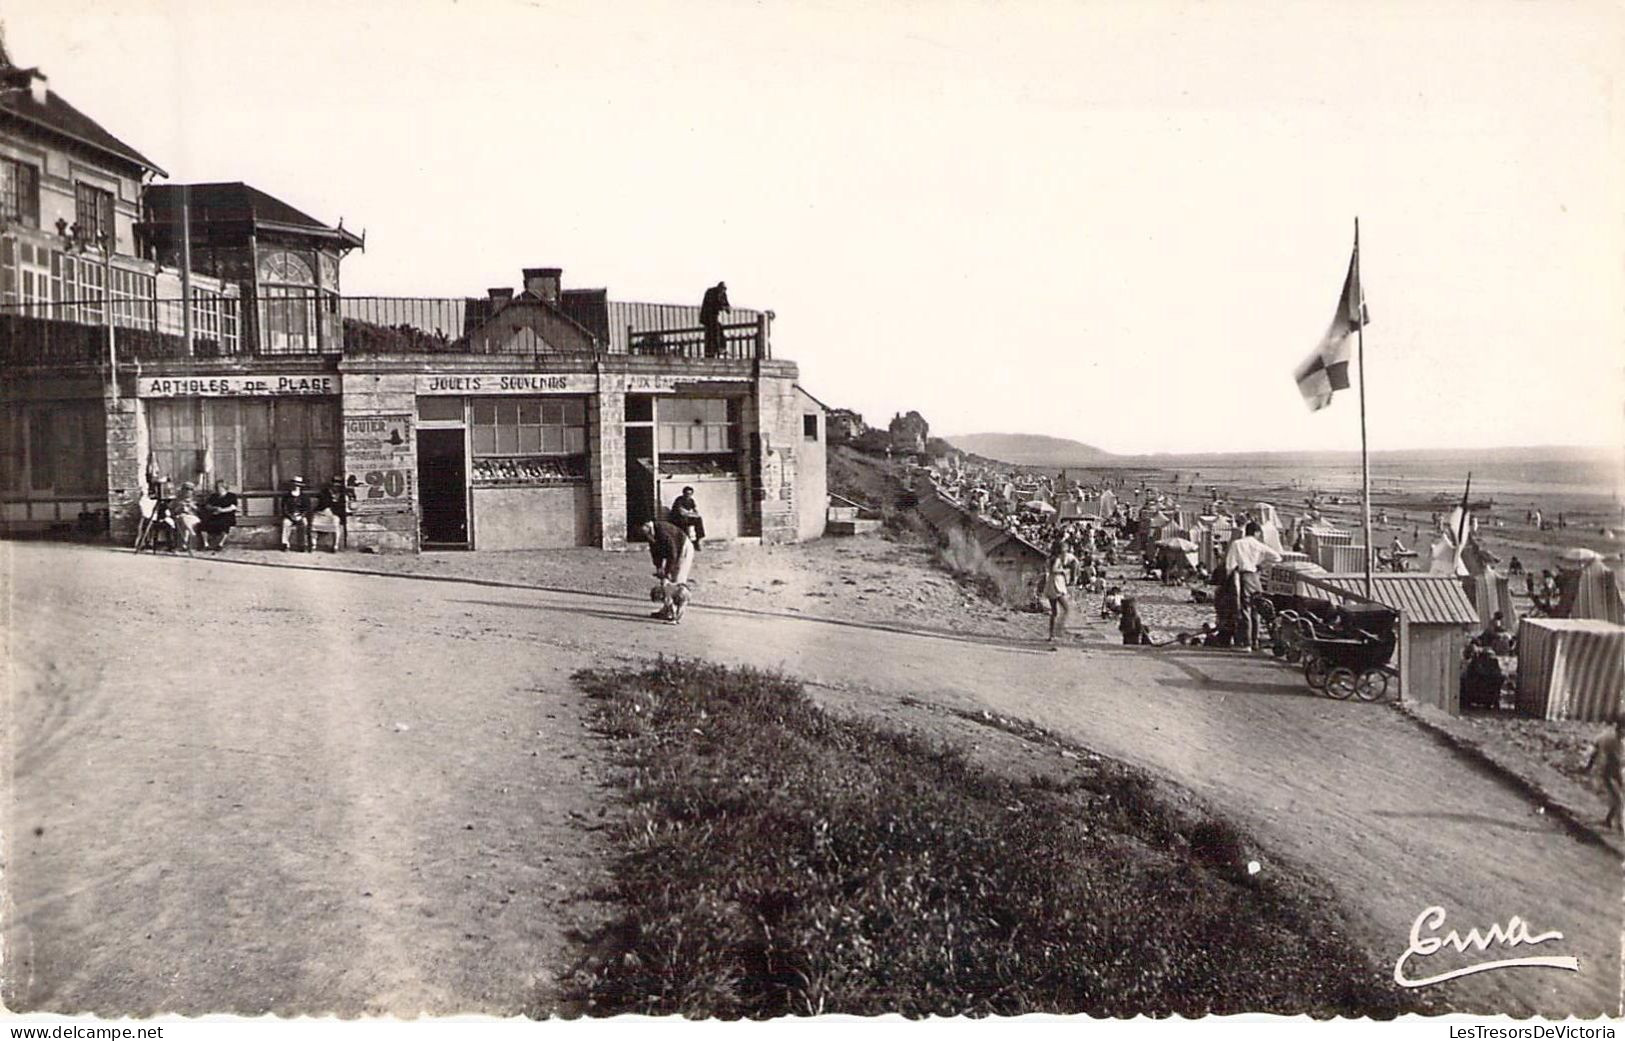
[640, 480]
[443, 487]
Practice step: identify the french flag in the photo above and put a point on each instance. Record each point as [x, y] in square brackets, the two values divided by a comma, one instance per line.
[1327, 369]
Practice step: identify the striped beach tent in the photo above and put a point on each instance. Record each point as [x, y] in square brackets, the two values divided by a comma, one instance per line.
[1597, 594]
[1570, 668]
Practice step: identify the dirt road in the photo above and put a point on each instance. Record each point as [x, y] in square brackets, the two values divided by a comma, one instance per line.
[232, 819]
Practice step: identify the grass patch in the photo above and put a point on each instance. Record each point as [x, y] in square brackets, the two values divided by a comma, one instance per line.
[775, 860]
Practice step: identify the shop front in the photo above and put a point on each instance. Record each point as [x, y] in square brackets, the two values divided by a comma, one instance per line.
[256, 433]
[503, 460]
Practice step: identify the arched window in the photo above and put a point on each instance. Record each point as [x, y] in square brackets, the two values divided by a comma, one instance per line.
[293, 308]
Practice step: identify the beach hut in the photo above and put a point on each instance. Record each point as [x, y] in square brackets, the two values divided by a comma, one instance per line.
[1318, 535]
[1596, 593]
[1570, 668]
[1436, 622]
[1491, 593]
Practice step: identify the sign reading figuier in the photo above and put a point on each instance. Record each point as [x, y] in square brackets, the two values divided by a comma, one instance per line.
[267, 385]
[378, 461]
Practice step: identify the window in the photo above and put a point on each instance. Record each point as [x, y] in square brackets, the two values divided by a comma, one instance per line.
[19, 193]
[256, 445]
[76, 288]
[93, 211]
[290, 320]
[441, 409]
[25, 276]
[133, 299]
[692, 426]
[529, 426]
[809, 426]
[214, 321]
[54, 448]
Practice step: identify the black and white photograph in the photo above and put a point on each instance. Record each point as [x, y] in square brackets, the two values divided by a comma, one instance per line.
[558, 511]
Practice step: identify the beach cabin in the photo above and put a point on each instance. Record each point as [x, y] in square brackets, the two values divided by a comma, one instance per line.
[1570, 668]
[1437, 620]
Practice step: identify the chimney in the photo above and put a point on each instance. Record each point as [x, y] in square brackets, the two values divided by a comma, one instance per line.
[544, 282]
[36, 86]
[500, 294]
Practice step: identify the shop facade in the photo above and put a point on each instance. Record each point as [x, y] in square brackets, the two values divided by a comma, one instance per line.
[478, 453]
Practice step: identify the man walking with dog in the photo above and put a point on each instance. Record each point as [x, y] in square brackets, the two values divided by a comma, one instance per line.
[673, 554]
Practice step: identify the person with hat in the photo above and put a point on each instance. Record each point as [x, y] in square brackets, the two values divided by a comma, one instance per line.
[295, 507]
[712, 305]
[183, 511]
[685, 513]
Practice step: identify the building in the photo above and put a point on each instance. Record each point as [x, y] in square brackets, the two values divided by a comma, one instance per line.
[845, 426]
[534, 418]
[908, 433]
[73, 280]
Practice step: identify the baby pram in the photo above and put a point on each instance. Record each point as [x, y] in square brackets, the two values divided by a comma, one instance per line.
[1349, 654]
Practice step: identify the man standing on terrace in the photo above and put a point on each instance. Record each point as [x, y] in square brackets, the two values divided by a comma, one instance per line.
[1242, 561]
[711, 307]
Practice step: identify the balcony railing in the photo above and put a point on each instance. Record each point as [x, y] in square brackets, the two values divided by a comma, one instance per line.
[74, 333]
[745, 340]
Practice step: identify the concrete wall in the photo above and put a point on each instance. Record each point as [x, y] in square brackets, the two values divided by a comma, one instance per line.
[776, 456]
[375, 404]
[533, 518]
[812, 493]
[720, 499]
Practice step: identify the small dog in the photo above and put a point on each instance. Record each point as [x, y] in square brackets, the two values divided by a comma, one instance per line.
[673, 598]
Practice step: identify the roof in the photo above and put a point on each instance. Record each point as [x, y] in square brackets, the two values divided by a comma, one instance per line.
[227, 202]
[814, 398]
[56, 115]
[1425, 599]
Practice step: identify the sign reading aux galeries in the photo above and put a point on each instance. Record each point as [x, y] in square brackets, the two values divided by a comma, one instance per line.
[264, 385]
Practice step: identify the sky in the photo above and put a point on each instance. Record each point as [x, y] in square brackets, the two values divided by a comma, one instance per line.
[1119, 222]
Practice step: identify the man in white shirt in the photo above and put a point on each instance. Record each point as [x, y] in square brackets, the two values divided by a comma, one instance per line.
[1242, 560]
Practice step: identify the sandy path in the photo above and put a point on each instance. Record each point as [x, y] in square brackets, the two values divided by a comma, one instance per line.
[1393, 822]
[229, 818]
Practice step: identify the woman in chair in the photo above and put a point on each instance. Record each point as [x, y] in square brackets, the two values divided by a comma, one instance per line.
[219, 516]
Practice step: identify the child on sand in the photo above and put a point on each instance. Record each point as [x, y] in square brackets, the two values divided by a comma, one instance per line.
[1607, 760]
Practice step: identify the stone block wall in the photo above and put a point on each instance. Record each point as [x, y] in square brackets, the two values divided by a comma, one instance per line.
[379, 409]
[606, 453]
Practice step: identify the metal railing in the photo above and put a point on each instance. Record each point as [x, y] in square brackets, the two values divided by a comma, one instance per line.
[74, 332]
[740, 340]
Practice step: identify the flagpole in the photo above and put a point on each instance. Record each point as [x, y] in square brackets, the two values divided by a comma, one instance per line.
[1365, 461]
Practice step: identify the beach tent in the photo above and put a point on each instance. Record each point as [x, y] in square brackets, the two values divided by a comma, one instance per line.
[1270, 521]
[1596, 594]
[1491, 592]
[1570, 668]
[1108, 505]
[1445, 558]
[1038, 506]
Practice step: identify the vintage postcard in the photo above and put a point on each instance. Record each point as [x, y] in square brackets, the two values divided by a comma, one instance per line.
[736, 511]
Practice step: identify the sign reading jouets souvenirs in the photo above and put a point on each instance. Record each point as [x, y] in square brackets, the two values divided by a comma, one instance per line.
[508, 383]
[265, 385]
